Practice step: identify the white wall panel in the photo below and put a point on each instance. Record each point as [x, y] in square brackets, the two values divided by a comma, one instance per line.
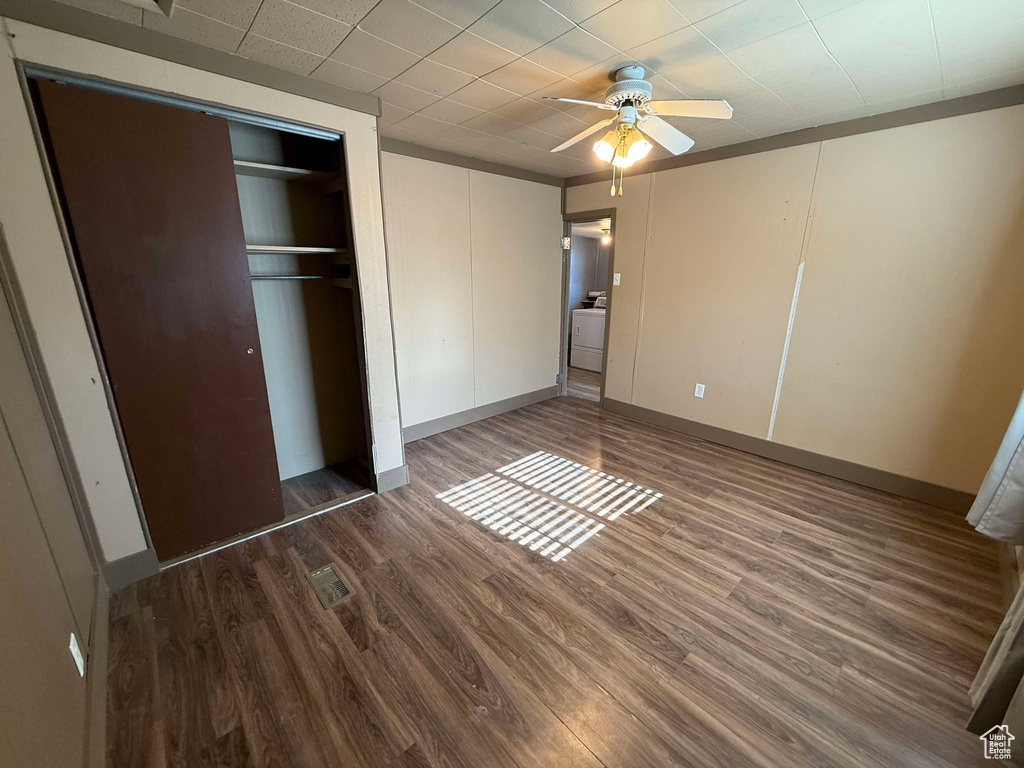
[517, 285]
[476, 275]
[426, 206]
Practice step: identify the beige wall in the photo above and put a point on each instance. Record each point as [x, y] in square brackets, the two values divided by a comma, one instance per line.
[426, 205]
[906, 353]
[716, 294]
[475, 273]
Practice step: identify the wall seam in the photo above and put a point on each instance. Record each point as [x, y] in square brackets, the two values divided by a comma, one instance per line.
[472, 282]
[785, 349]
[643, 290]
[805, 240]
[42, 529]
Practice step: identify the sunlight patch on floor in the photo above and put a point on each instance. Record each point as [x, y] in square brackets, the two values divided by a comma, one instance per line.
[548, 503]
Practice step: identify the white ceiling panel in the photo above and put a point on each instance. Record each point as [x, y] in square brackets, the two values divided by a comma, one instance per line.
[472, 54]
[391, 114]
[426, 125]
[630, 23]
[197, 28]
[761, 109]
[524, 110]
[521, 25]
[578, 10]
[450, 111]
[239, 13]
[349, 11]
[864, 28]
[408, 26]
[695, 10]
[372, 54]
[278, 54]
[910, 72]
[750, 21]
[533, 137]
[298, 27]
[815, 9]
[719, 133]
[904, 102]
[1005, 43]
[434, 78]
[957, 18]
[490, 123]
[483, 95]
[814, 88]
[469, 76]
[560, 124]
[830, 102]
[674, 49]
[522, 76]
[405, 96]
[1005, 80]
[356, 79]
[704, 73]
[572, 52]
[460, 12]
[797, 48]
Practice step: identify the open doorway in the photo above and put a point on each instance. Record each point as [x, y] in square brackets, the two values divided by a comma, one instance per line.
[586, 301]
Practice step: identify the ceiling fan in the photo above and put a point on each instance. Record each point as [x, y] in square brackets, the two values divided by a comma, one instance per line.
[630, 98]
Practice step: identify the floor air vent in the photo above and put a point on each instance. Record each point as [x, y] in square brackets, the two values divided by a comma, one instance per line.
[328, 585]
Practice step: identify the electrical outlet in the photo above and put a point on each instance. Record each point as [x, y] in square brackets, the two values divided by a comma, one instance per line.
[616, 278]
[76, 652]
[698, 391]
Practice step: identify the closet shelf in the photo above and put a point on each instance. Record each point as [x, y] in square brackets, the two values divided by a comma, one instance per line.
[267, 171]
[295, 249]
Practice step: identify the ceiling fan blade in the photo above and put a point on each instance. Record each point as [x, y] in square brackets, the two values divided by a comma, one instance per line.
[717, 109]
[584, 103]
[671, 138]
[586, 132]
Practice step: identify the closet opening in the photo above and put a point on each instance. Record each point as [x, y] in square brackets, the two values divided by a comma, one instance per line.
[292, 193]
[214, 257]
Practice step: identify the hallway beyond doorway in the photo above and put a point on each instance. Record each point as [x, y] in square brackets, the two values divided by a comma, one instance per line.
[584, 384]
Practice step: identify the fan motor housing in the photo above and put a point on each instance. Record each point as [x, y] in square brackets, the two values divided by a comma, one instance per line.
[629, 86]
[637, 91]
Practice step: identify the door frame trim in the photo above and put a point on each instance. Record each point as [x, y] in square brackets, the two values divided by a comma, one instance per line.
[568, 219]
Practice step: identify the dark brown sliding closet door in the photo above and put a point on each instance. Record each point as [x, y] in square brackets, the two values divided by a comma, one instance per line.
[153, 208]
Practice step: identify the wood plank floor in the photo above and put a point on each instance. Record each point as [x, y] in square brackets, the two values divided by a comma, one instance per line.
[322, 486]
[754, 615]
[584, 384]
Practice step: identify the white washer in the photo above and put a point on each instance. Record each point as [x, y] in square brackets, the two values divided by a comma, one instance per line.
[587, 339]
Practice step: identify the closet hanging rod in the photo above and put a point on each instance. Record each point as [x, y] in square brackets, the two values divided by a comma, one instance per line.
[291, 277]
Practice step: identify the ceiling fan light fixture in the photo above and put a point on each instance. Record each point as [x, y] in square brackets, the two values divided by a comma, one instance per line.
[605, 147]
[633, 147]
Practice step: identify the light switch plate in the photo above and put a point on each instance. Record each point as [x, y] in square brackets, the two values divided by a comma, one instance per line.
[616, 278]
[698, 391]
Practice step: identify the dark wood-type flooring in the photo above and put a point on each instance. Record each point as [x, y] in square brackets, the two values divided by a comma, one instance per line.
[584, 384]
[756, 615]
[322, 486]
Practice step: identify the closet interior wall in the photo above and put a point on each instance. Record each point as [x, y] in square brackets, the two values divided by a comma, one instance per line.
[292, 189]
